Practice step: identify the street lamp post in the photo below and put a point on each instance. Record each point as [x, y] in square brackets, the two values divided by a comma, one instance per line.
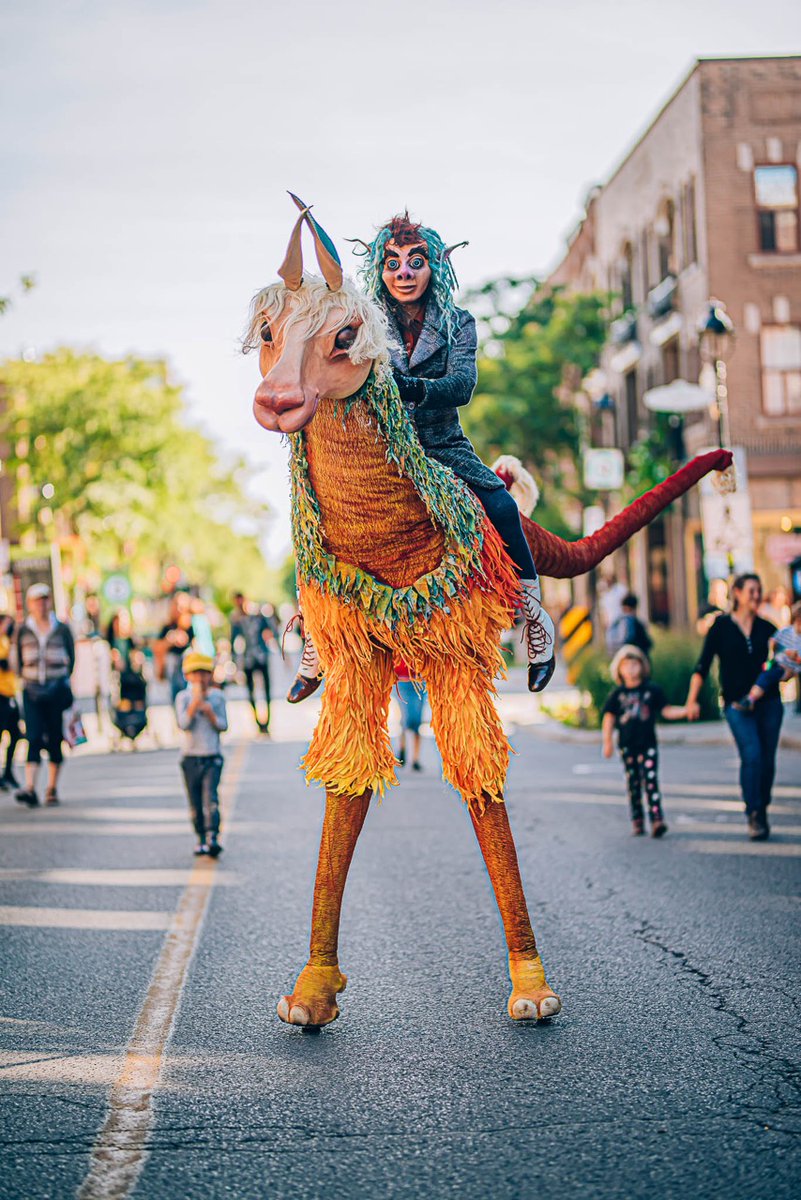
[715, 338]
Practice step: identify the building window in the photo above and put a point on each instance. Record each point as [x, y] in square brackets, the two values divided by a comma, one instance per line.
[632, 421]
[670, 361]
[689, 238]
[626, 278]
[781, 370]
[664, 229]
[776, 190]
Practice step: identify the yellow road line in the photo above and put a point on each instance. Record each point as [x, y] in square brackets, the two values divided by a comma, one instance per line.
[120, 1148]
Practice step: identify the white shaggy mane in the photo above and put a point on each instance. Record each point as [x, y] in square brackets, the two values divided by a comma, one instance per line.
[313, 302]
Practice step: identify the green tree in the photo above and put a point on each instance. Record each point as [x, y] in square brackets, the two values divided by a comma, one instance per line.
[25, 283]
[101, 449]
[532, 360]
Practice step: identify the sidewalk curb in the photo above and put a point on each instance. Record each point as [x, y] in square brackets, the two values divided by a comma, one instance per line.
[716, 734]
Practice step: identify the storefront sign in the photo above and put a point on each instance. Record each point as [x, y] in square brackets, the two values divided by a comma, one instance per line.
[603, 469]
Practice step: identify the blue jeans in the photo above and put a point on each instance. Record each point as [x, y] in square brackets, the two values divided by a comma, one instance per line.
[757, 738]
[501, 509]
[770, 676]
[411, 697]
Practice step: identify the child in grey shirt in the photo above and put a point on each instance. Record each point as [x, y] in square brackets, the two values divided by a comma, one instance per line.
[200, 711]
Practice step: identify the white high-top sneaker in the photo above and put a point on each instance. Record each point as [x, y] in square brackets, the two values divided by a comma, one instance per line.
[308, 678]
[539, 636]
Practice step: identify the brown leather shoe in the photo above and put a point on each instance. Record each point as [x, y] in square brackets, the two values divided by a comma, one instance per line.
[302, 688]
[758, 830]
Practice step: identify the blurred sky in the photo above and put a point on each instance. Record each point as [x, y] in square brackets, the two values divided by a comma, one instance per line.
[146, 145]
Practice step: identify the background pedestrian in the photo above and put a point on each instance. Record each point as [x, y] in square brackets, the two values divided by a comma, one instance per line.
[632, 709]
[251, 635]
[201, 715]
[47, 657]
[9, 711]
[174, 640]
[411, 695]
[627, 629]
[740, 641]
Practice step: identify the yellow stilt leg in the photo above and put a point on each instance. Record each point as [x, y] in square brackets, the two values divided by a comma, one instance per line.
[313, 1001]
[531, 996]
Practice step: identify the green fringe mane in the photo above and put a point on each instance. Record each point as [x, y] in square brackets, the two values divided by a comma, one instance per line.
[449, 502]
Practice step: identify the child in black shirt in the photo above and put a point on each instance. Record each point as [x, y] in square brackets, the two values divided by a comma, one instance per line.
[632, 709]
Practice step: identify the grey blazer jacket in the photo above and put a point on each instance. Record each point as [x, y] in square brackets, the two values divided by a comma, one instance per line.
[450, 376]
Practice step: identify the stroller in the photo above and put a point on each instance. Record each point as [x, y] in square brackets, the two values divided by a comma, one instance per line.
[129, 710]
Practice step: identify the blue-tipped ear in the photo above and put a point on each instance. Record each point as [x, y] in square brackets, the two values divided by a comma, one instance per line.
[324, 248]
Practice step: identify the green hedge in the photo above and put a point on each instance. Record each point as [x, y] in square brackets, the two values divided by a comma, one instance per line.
[672, 660]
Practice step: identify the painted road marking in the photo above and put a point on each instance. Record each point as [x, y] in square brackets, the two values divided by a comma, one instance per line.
[120, 1148]
[762, 849]
[86, 812]
[676, 802]
[109, 876]
[83, 918]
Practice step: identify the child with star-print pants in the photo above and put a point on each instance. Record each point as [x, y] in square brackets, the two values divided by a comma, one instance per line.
[642, 774]
[631, 710]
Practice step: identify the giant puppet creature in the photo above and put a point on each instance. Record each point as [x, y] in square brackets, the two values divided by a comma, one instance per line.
[397, 559]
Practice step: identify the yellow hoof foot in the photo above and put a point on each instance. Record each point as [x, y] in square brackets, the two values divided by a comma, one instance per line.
[531, 998]
[313, 1002]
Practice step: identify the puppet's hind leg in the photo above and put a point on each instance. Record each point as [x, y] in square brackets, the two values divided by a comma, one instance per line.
[475, 756]
[531, 996]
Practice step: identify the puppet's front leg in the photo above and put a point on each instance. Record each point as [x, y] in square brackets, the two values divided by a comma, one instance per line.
[314, 999]
[531, 996]
[351, 755]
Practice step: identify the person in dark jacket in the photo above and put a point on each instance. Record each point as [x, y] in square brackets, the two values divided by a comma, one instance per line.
[432, 348]
[46, 660]
[740, 640]
[628, 629]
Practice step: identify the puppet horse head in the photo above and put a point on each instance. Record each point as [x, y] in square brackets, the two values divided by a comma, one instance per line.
[316, 337]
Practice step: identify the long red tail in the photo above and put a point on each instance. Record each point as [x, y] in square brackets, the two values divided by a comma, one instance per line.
[559, 559]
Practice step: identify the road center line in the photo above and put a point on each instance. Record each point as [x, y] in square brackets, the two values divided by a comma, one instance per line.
[120, 1152]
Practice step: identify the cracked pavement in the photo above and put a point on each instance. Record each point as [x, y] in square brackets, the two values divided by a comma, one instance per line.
[673, 1070]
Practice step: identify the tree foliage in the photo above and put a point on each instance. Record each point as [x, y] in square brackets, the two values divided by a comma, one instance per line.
[101, 451]
[532, 361]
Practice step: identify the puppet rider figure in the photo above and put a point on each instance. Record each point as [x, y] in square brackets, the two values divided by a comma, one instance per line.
[432, 346]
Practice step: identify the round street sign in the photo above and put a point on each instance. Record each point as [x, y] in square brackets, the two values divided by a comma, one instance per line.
[117, 588]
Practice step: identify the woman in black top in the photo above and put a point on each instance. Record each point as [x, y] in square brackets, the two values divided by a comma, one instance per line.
[740, 640]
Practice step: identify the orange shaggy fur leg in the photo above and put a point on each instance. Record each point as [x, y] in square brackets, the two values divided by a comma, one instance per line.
[469, 733]
[350, 751]
[531, 996]
[313, 1001]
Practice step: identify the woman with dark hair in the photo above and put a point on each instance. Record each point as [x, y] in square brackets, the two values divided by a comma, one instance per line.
[740, 641]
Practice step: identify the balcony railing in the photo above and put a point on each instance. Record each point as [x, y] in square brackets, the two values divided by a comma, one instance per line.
[661, 300]
[624, 329]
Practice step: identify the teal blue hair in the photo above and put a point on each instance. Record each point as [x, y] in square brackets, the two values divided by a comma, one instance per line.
[443, 280]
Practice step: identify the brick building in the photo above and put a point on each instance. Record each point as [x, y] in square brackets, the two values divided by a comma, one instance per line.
[706, 205]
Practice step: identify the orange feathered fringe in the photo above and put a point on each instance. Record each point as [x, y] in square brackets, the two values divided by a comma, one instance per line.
[456, 653]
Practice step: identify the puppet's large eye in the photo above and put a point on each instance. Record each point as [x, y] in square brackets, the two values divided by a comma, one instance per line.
[392, 264]
[345, 338]
[417, 262]
[266, 334]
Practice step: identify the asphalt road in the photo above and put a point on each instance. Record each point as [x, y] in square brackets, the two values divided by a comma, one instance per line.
[672, 1071]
